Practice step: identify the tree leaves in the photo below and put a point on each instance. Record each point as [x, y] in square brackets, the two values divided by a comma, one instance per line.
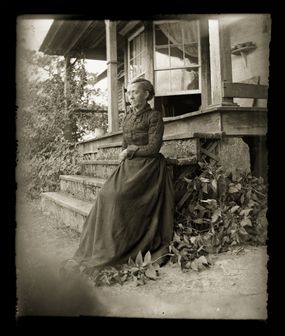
[45, 153]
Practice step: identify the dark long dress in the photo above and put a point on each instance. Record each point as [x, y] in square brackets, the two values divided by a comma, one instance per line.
[134, 209]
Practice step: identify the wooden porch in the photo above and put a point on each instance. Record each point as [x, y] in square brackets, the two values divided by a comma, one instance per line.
[107, 41]
[218, 126]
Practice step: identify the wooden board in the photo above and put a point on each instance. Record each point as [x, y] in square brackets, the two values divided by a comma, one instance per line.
[215, 62]
[244, 122]
[243, 90]
[202, 123]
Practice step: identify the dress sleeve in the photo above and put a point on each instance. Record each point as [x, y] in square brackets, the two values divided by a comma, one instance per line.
[155, 135]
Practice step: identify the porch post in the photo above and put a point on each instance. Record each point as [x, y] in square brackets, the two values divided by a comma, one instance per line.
[205, 65]
[68, 125]
[112, 76]
[220, 60]
[148, 59]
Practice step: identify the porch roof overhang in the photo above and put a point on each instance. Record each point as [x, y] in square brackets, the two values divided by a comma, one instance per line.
[77, 37]
[83, 38]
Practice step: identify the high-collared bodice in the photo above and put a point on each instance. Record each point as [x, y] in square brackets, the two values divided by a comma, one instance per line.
[143, 130]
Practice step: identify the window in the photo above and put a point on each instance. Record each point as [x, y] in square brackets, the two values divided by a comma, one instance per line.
[136, 55]
[177, 58]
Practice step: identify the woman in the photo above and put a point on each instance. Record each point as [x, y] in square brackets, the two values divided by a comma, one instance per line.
[134, 209]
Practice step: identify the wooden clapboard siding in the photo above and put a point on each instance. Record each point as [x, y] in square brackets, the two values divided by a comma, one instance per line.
[243, 90]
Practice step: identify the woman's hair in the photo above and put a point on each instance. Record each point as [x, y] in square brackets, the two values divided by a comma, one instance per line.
[146, 84]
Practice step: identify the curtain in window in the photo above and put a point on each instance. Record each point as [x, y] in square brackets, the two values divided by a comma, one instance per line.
[174, 32]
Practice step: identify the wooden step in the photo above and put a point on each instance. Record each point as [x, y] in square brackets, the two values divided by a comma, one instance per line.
[69, 211]
[82, 187]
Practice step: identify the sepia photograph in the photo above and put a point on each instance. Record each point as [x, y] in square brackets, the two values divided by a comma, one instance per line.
[142, 166]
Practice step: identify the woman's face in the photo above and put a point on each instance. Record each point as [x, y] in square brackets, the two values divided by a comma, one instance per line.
[137, 95]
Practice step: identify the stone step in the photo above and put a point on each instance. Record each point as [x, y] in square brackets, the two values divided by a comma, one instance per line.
[109, 151]
[69, 211]
[98, 168]
[104, 168]
[173, 146]
[81, 187]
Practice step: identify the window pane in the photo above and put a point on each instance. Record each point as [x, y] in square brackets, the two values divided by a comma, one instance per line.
[140, 69]
[142, 46]
[184, 79]
[137, 45]
[191, 79]
[131, 49]
[175, 33]
[137, 52]
[134, 67]
[161, 34]
[177, 80]
[176, 56]
[191, 55]
[190, 32]
[162, 83]
[162, 58]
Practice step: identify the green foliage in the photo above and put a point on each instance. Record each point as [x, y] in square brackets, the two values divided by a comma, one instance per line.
[222, 211]
[43, 117]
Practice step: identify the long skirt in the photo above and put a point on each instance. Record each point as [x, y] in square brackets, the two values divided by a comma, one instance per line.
[134, 211]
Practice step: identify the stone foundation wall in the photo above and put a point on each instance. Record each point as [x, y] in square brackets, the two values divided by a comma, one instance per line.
[234, 154]
[180, 148]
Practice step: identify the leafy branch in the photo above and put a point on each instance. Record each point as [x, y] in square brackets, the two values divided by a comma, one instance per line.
[140, 270]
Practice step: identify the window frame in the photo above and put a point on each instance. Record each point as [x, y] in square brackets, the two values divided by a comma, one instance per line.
[131, 38]
[198, 66]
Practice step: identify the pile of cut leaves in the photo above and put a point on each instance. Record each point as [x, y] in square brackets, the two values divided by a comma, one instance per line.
[219, 211]
[140, 270]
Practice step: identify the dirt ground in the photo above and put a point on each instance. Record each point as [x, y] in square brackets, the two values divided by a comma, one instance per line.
[235, 287]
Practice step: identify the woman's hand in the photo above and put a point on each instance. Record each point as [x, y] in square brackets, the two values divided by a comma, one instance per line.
[123, 155]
